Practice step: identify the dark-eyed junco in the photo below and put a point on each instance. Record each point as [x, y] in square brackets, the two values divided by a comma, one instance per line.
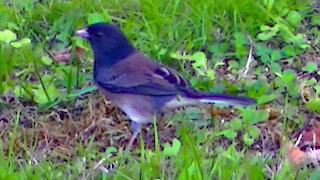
[139, 85]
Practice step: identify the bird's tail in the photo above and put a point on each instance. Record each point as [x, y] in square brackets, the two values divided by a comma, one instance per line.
[226, 99]
[195, 98]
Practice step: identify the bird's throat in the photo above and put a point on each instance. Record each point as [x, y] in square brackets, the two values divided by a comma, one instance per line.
[107, 57]
[110, 55]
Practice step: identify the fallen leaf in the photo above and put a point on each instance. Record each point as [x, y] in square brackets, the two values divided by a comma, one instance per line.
[294, 154]
[64, 55]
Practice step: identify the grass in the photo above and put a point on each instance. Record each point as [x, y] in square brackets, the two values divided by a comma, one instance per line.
[56, 125]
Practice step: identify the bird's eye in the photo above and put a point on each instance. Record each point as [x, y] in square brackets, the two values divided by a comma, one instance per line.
[99, 34]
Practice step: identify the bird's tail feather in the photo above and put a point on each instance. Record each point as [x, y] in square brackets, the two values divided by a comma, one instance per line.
[196, 98]
[226, 99]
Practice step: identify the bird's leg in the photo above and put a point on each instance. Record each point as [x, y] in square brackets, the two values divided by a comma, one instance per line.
[135, 129]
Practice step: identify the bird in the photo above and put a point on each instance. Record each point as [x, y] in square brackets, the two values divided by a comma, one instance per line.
[140, 86]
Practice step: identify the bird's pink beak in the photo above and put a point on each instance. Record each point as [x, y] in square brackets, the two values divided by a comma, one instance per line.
[82, 33]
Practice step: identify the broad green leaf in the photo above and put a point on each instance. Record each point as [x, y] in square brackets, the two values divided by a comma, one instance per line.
[240, 45]
[300, 40]
[266, 98]
[173, 150]
[266, 35]
[95, 18]
[310, 82]
[283, 12]
[288, 76]
[162, 51]
[7, 36]
[20, 43]
[314, 105]
[200, 60]
[268, 32]
[241, 51]
[239, 39]
[295, 39]
[230, 134]
[40, 95]
[218, 63]
[236, 124]
[233, 64]
[310, 67]
[275, 55]
[211, 74]
[110, 150]
[262, 49]
[265, 28]
[254, 132]
[202, 135]
[317, 88]
[315, 19]
[218, 49]
[265, 58]
[275, 67]
[264, 53]
[12, 25]
[247, 139]
[288, 50]
[20, 92]
[46, 60]
[251, 116]
[258, 87]
[294, 18]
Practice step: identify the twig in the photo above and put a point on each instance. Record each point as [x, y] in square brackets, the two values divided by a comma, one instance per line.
[249, 61]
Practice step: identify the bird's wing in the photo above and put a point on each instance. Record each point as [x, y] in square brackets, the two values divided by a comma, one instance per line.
[139, 75]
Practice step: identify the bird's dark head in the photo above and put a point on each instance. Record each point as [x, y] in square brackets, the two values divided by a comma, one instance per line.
[108, 43]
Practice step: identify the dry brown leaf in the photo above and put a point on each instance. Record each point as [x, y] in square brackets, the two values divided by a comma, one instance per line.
[64, 55]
